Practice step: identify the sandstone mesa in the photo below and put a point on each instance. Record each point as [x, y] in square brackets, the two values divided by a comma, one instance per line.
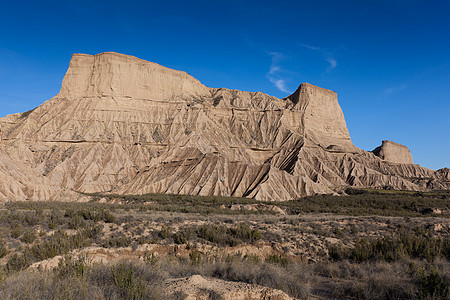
[128, 126]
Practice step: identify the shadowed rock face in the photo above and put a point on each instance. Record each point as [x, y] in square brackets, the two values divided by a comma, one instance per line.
[125, 125]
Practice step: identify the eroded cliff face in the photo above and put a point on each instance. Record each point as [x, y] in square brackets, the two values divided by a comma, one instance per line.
[114, 74]
[322, 119]
[124, 125]
[393, 152]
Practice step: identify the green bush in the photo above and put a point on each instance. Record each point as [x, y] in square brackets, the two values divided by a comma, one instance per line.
[281, 260]
[131, 285]
[56, 218]
[432, 285]
[151, 259]
[245, 233]
[76, 221]
[18, 262]
[61, 243]
[71, 267]
[182, 236]
[165, 232]
[222, 235]
[28, 236]
[120, 240]
[16, 231]
[416, 243]
[196, 257]
[3, 248]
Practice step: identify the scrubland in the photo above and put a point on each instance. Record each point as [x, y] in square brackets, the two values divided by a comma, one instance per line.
[366, 245]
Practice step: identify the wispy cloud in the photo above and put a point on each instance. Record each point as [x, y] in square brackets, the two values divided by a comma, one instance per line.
[274, 75]
[327, 56]
[394, 89]
[280, 84]
[311, 47]
[332, 61]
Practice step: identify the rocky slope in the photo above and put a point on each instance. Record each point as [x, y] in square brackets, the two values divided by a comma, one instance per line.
[128, 126]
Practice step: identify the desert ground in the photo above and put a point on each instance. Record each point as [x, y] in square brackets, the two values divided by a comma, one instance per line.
[365, 245]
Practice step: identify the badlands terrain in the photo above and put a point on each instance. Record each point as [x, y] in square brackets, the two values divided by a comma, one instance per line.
[127, 126]
[138, 182]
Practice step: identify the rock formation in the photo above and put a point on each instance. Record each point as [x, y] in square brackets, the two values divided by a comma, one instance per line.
[125, 125]
[199, 287]
[393, 152]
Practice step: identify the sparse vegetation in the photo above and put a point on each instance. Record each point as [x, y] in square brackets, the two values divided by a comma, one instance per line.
[230, 236]
[404, 244]
[367, 245]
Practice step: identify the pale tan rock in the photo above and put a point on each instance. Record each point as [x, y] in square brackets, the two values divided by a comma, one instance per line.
[109, 74]
[322, 120]
[198, 287]
[393, 152]
[127, 126]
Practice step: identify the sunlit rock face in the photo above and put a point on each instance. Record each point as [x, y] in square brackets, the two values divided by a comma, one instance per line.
[124, 125]
[393, 152]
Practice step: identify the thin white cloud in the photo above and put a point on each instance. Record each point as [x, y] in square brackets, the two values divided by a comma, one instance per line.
[274, 72]
[274, 69]
[311, 47]
[394, 89]
[332, 62]
[326, 56]
[280, 84]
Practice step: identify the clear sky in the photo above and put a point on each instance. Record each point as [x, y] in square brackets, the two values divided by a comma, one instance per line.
[389, 61]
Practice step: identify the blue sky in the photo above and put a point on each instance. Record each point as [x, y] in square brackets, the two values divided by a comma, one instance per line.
[389, 61]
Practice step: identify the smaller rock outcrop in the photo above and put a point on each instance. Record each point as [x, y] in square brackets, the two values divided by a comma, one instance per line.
[393, 152]
[199, 287]
[322, 119]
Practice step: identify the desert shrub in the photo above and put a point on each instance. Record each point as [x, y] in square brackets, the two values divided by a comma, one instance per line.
[371, 202]
[281, 260]
[16, 231]
[45, 285]
[61, 243]
[93, 213]
[71, 266]
[127, 280]
[232, 236]
[404, 244]
[245, 233]
[150, 238]
[76, 221]
[165, 232]
[97, 215]
[182, 236]
[18, 262]
[252, 258]
[196, 257]
[151, 259]
[369, 280]
[211, 232]
[216, 234]
[3, 248]
[129, 283]
[3, 275]
[350, 191]
[25, 218]
[28, 236]
[119, 240]
[432, 285]
[56, 218]
[338, 252]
